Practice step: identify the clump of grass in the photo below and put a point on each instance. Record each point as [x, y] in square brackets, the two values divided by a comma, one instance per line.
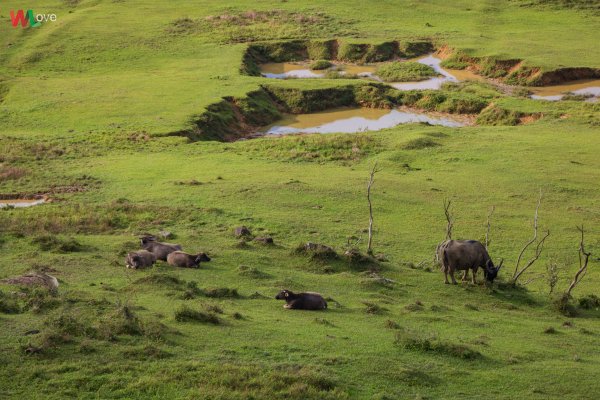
[11, 173]
[320, 65]
[589, 302]
[252, 272]
[471, 307]
[148, 352]
[164, 280]
[317, 251]
[494, 115]
[39, 299]
[237, 315]
[429, 343]
[404, 72]
[550, 330]
[373, 308]
[391, 324]
[221, 292]
[57, 244]
[420, 143]
[9, 304]
[186, 314]
[323, 321]
[416, 306]
[121, 321]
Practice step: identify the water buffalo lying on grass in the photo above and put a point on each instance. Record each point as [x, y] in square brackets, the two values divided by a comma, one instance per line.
[160, 250]
[185, 260]
[465, 255]
[302, 301]
[140, 259]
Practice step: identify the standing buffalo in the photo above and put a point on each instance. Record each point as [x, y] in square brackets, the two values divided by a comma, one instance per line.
[160, 250]
[465, 255]
[185, 260]
[302, 301]
[140, 259]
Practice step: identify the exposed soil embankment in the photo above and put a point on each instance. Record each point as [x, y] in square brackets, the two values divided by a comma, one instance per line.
[334, 50]
[514, 71]
[236, 118]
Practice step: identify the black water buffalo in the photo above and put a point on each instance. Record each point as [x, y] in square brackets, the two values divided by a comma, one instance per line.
[160, 250]
[465, 255]
[302, 301]
[185, 260]
[140, 259]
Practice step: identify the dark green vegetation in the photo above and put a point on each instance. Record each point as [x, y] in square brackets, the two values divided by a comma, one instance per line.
[404, 72]
[92, 110]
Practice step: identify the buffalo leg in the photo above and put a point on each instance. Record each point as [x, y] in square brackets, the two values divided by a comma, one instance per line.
[465, 275]
[452, 276]
[446, 276]
[473, 277]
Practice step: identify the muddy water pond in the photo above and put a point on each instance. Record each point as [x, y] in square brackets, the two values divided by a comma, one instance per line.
[356, 119]
[22, 203]
[584, 87]
[302, 70]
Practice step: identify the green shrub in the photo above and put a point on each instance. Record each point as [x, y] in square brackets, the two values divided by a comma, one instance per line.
[404, 71]
[320, 64]
[589, 302]
[352, 51]
[57, 244]
[221, 292]
[9, 304]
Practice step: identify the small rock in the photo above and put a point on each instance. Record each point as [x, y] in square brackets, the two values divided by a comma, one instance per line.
[264, 240]
[32, 332]
[35, 279]
[242, 231]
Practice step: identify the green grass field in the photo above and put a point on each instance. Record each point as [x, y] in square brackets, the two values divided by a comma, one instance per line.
[87, 104]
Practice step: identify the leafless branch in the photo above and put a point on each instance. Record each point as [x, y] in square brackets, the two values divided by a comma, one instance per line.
[487, 232]
[583, 263]
[538, 250]
[449, 218]
[374, 170]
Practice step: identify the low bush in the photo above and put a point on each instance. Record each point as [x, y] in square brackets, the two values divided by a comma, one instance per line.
[429, 343]
[320, 65]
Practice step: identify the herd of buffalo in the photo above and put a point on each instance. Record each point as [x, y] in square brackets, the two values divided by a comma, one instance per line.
[453, 255]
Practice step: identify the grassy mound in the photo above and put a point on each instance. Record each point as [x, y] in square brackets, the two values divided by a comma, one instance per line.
[405, 72]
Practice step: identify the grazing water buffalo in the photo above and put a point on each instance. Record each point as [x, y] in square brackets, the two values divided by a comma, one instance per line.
[185, 260]
[302, 301]
[160, 250]
[465, 255]
[140, 259]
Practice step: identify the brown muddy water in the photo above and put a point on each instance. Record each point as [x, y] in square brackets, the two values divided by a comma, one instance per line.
[586, 87]
[357, 119]
[302, 70]
[22, 203]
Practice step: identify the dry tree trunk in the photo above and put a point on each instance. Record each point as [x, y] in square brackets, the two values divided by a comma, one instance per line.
[538, 250]
[374, 170]
[584, 257]
[449, 219]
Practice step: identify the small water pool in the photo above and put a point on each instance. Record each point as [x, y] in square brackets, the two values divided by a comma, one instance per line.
[355, 119]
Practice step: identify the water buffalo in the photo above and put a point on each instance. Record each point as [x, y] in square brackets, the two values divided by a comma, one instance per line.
[465, 255]
[185, 260]
[140, 259]
[160, 250]
[302, 301]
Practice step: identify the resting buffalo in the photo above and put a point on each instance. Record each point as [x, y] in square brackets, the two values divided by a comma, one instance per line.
[465, 255]
[140, 259]
[185, 260]
[302, 301]
[160, 250]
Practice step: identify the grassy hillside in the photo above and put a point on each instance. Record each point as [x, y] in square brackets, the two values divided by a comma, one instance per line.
[83, 118]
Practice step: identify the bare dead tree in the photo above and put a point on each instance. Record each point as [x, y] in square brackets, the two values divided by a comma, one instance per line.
[449, 218]
[584, 258]
[538, 249]
[374, 170]
[489, 226]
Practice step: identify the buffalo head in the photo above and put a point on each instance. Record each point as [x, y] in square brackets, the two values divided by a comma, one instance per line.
[490, 272]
